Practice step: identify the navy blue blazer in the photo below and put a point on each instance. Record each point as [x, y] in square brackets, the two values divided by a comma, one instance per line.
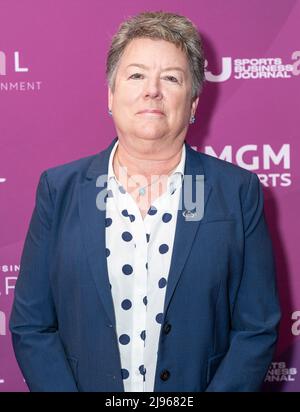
[221, 310]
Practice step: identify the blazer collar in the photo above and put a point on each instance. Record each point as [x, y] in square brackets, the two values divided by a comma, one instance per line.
[186, 228]
[99, 164]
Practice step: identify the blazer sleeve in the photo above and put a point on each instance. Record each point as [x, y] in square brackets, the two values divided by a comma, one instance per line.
[33, 323]
[256, 313]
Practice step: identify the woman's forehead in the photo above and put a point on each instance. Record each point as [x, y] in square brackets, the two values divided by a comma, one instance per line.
[149, 52]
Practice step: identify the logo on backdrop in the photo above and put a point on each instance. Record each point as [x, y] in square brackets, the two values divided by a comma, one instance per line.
[283, 372]
[2, 324]
[7, 283]
[279, 372]
[255, 68]
[7, 286]
[296, 325]
[14, 64]
[275, 163]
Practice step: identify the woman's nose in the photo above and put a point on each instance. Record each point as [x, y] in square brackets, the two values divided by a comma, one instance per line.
[153, 89]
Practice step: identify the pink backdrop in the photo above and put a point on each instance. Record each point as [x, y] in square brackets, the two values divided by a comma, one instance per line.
[53, 109]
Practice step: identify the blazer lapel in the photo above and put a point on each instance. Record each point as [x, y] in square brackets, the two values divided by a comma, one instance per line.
[92, 221]
[186, 228]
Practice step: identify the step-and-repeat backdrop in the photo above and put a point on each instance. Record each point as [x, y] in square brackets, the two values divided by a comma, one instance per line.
[53, 109]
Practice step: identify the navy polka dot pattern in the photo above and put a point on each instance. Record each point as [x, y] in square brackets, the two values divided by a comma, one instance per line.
[124, 339]
[159, 318]
[138, 251]
[124, 373]
[152, 211]
[127, 269]
[163, 248]
[166, 217]
[162, 283]
[127, 236]
[126, 304]
[109, 193]
[132, 218]
[108, 222]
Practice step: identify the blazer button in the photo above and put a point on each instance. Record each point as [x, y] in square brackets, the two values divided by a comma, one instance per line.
[164, 375]
[167, 328]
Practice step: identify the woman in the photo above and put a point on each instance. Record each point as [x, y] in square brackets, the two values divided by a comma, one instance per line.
[133, 292]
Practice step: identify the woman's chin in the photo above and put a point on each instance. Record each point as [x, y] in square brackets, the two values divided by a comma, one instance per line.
[150, 133]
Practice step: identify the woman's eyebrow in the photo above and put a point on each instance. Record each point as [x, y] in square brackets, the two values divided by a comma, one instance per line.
[142, 66]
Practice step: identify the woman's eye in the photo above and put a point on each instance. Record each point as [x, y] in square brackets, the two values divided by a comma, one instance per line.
[172, 79]
[136, 76]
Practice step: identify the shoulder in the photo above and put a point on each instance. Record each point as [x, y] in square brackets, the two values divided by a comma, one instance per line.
[76, 167]
[222, 171]
[230, 182]
[60, 181]
[84, 167]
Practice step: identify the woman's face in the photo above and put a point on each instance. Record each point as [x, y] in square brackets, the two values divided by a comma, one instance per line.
[152, 99]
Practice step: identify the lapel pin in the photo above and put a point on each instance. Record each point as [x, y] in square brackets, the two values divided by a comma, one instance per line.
[188, 214]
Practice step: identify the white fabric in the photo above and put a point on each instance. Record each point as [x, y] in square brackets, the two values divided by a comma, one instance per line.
[138, 267]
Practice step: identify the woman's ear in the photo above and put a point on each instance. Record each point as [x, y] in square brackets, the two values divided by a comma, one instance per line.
[110, 98]
[194, 106]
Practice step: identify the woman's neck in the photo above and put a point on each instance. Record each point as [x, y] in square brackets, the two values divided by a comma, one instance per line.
[147, 164]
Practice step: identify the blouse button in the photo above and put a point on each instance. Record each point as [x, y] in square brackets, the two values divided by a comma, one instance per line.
[164, 375]
[167, 328]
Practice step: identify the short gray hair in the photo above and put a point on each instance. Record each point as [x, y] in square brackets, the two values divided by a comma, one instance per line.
[173, 28]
